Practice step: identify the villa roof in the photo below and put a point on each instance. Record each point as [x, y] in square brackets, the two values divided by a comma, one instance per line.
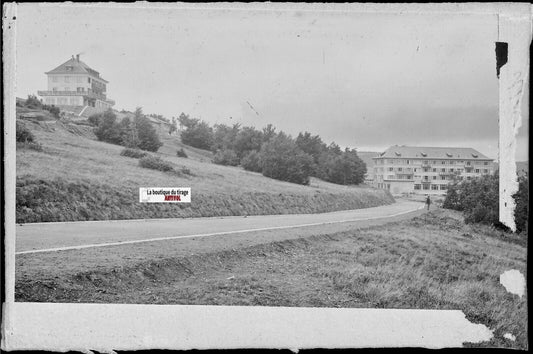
[78, 67]
[413, 152]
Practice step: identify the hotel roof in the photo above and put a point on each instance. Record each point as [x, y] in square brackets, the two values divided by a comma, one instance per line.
[77, 67]
[420, 152]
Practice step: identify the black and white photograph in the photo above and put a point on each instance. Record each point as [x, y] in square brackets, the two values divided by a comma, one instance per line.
[304, 157]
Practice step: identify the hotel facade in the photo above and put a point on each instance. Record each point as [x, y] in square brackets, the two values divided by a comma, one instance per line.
[427, 170]
[75, 84]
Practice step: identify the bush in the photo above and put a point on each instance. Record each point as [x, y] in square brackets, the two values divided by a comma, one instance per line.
[135, 153]
[521, 198]
[23, 134]
[33, 102]
[155, 163]
[181, 153]
[252, 162]
[108, 129]
[94, 119]
[55, 111]
[226, 157]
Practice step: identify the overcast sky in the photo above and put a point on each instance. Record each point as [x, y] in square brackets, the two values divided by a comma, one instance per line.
[362, 80]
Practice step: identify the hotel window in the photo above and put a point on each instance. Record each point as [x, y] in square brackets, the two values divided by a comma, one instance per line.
[451, 169]
[67, 88]
[443, 178]
[435, 187]
[434, 162]
[442, 170]
[434, 170]
[443, 187]
[426, 178]
[89, 80]
[434, 177]
[399, 169]
[425, 187]
[485, 171]
[79, 79]
[407, 162]
[452, 162]
[391, 169]
[443, 162]
[67, 78]
[477, 170]
[54, 88]
[417, 186]
[468, 163]
[416, 170]
[54, 79]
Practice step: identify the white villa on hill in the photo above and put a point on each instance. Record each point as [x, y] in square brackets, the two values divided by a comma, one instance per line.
[427, 170]
[76, 87]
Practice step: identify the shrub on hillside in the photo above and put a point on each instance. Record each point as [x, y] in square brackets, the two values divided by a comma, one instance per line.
[282, 159]
[252, 162]
[135, 153]
[226, 157]
[181, 153]
[23, 134]
[155, 163]
[521, 212]
[108, 129]
[478, 199]
[94, 119]
[33, 102]
[55, 111]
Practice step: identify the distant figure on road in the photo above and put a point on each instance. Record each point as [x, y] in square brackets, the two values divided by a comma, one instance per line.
[428, 201]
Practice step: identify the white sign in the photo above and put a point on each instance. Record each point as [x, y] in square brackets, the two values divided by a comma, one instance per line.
[164, 195]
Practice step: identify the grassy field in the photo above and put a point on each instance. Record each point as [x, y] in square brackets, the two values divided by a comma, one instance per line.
[432, 261]
[76, 177]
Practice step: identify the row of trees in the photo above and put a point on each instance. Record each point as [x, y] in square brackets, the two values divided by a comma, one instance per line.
[274, 154]
[133, 133]
[478, 199]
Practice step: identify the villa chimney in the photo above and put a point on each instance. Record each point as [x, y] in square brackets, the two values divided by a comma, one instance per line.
[77, 57]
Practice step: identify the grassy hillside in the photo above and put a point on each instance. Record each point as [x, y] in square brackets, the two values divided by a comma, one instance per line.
[76, 177]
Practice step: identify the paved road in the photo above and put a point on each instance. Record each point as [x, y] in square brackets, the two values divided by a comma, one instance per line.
[48, 237]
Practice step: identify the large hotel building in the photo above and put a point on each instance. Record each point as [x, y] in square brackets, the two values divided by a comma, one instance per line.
[427, 170]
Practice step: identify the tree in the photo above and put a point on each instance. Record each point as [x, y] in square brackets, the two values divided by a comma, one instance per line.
[252, 161]
[173, 126]
[199, 135]
[146, 133]
[282, 159]
[247, 139]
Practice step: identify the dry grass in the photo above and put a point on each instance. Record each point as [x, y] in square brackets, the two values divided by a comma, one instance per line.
[433, 261]
[110, 182]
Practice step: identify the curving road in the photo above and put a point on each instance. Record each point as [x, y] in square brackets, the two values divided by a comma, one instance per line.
[50, 237]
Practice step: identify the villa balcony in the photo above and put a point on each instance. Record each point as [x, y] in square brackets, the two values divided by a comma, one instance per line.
[88, 94]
